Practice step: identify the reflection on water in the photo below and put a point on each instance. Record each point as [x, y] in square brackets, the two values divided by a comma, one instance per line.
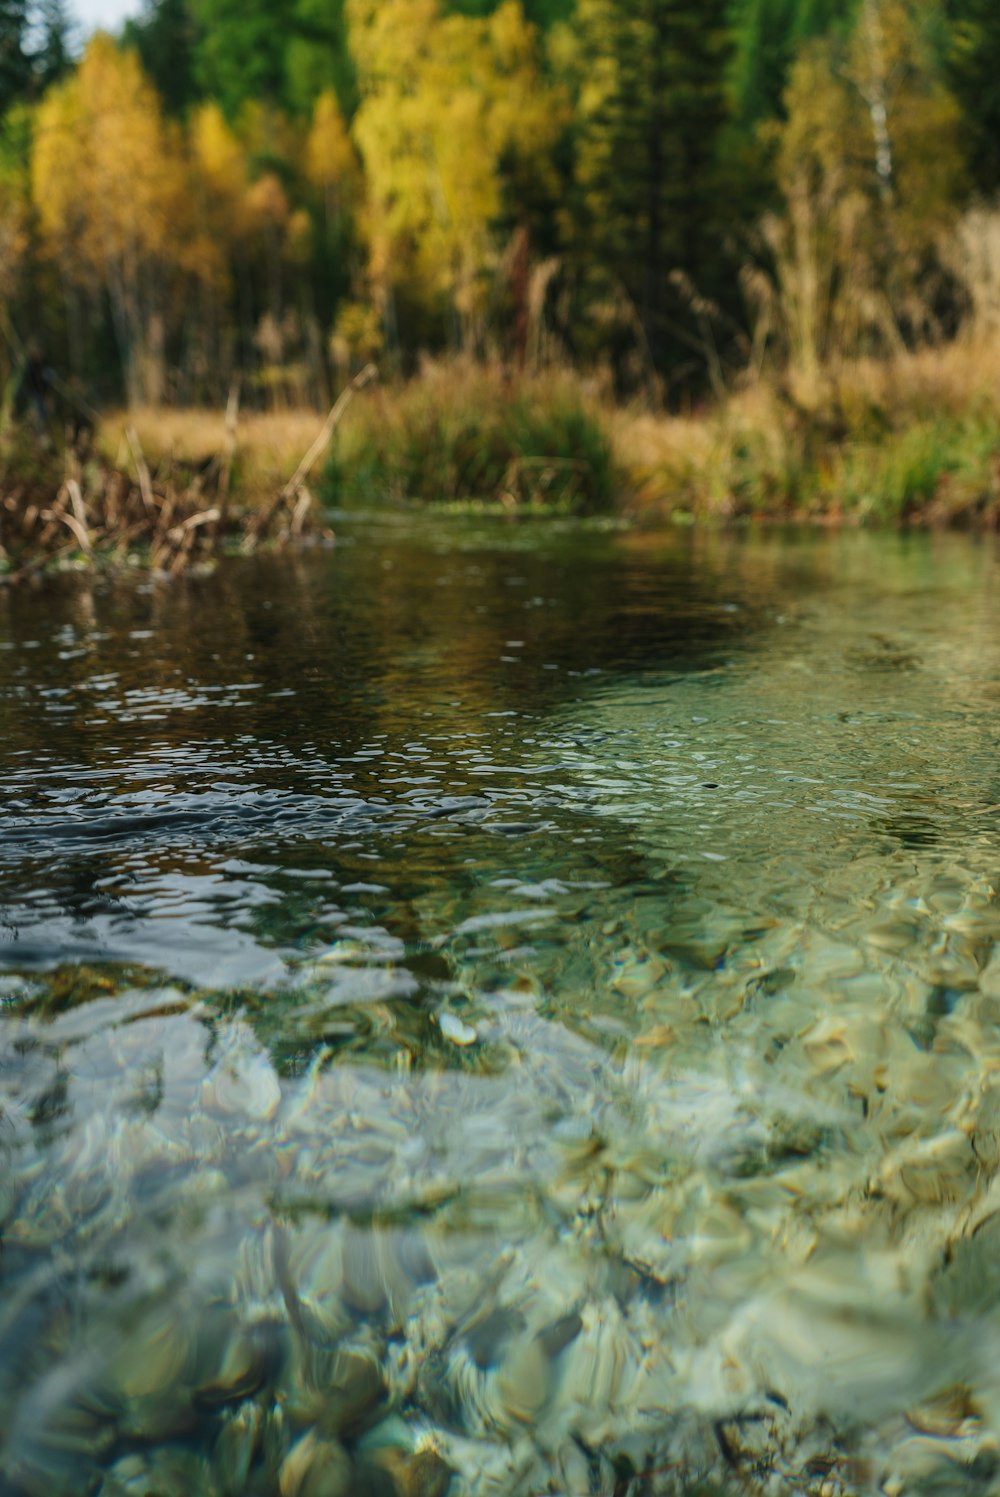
[503, 1010]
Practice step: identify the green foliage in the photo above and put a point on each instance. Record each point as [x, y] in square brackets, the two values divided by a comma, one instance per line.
[240, 51]
[972, 61]
[35, 44]
[166, 38]
[541, 13]
[944, 464]
[915, 454]
[475, 439]
[768, 35]
[651, 108]
[236, 52]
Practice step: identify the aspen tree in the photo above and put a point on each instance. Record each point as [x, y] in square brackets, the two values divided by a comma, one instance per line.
[108, 189]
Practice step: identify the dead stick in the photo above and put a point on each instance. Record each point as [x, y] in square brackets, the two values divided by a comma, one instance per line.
[368, 373]
[347, 394]
[79, 509]
[80, 531]
[138, 457]
[207, 517]
[229, 449]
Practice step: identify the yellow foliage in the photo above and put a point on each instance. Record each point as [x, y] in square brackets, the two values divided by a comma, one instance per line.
[329, 156]
[868, 162]
[444, 100]
[237, 208]
[107, 178]
[219, 157]
[298, 236]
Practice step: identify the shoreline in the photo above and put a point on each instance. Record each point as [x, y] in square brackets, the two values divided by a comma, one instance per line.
[911, 444]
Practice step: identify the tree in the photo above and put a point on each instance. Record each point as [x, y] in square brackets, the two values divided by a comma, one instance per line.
[108, 190]
[16, 73]
[281, 53]
[652, 105]
[240, 53]
[448, 103]
[767, 36]
[166, 38]
[35, 48]
[972, 64]
[869, 167]
[318, 57]
[53, 57]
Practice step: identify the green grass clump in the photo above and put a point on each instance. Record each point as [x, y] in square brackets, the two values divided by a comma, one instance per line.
[942, 469]
[471, 436]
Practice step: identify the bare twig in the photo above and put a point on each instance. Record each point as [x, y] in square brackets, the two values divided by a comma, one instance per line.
[138, 457]
[291, 489]
[299, 513]
[368, 373]
[206, 517]
[79, 509]
[80, 531]
[229, 447]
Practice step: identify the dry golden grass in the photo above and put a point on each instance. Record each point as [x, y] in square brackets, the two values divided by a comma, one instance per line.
[918, 434]
[269, 444]
[915, 435]
[952, 377]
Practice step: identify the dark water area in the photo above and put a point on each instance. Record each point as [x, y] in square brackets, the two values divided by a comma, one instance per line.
[499, 1008]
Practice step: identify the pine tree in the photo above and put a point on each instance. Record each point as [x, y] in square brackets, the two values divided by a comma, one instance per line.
[15, 60]
[165, 37]
[768, 34]
[652, 108]
[53, 57]
[973, 71]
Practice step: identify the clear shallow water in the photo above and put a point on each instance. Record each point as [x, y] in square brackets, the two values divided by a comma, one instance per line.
[504, 1009]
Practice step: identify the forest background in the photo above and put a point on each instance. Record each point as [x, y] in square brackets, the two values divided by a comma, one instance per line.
[678, 200]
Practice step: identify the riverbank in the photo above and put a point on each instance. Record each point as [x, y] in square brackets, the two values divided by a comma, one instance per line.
[78, 508]
[915, 440]
[73, 504]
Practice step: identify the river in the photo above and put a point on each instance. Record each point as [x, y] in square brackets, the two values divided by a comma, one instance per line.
[499, 1008]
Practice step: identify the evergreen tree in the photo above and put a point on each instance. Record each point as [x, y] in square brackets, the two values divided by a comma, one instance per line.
[241, 51]
[541, 13]
[15, 60]
[166, 37]
[53, 57]
[973, 71]
[317, 57]
[281, 53]
[652, 107]
[768, 34]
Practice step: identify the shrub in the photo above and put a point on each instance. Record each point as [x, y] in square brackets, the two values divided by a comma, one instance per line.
[469, 436]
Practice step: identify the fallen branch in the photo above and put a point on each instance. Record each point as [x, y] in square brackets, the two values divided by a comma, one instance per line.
[297, 481]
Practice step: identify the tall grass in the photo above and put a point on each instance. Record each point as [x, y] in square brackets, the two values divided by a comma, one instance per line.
[462, 434]
[268, 444]
[914, 438]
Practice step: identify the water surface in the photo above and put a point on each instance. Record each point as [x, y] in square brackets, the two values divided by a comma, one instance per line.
[503, 1009]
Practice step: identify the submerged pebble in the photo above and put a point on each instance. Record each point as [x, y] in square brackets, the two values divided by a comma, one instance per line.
[670, 1167]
